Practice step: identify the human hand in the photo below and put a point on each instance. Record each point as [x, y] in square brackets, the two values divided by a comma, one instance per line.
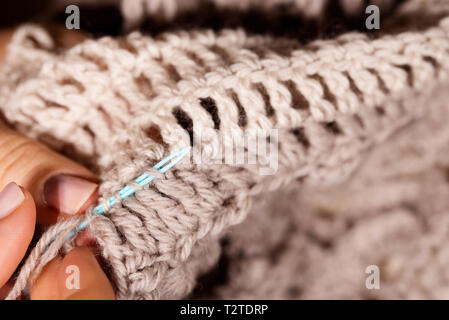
[38, 187]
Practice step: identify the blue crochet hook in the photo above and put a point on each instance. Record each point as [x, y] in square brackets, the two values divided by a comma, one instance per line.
[144, 179]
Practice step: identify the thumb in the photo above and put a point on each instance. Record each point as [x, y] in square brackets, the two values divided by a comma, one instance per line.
[17, 221]
[56, 183]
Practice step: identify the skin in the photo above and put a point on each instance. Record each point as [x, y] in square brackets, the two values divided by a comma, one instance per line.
[30, 164]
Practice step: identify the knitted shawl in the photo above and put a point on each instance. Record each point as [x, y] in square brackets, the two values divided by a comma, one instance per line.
[361, 131]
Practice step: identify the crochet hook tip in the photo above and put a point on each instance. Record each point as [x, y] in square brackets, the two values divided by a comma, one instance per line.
[172, 160]
[184, 151]
[181, 153]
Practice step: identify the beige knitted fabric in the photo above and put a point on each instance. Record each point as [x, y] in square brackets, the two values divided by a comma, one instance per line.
[393, 213]
[118, 105]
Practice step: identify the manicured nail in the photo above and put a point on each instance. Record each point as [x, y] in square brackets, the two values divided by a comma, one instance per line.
[67, 193]
[10, 198]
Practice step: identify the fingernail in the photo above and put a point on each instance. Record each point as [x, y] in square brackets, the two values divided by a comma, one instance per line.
[10, 198]
[67, 193]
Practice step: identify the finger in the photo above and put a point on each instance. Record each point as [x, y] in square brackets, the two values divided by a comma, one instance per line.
[56, 183]
[17, 221]
[93, 283]
[76, 277]
[46, 287]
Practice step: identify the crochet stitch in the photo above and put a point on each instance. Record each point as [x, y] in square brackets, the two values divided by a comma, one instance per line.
[121, 102]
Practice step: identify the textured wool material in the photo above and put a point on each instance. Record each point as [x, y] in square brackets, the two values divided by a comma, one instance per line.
[350, 112]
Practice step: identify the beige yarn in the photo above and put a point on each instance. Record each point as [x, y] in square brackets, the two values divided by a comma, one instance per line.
[312, 242]
[331, 100]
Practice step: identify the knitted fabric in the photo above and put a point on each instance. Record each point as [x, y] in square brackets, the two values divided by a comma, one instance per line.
[119, 105]
[392, 213]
